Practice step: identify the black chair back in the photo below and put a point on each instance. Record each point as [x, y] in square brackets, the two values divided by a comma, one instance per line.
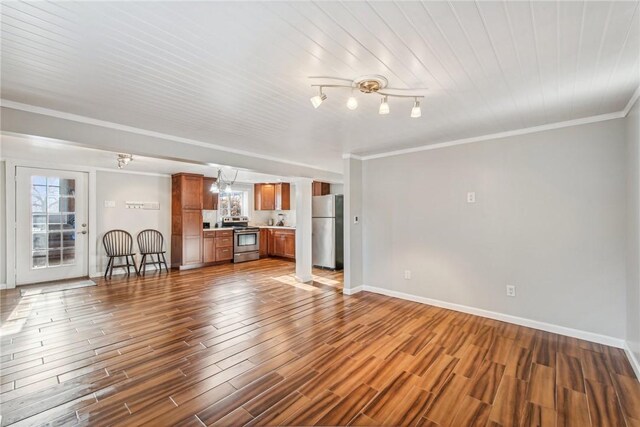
[150, 241]
[118, 243]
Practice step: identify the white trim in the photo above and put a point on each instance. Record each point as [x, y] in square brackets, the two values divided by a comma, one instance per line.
[352, 291]
[351, 156]
[631, 102]
[635, 363]
[548, 327]
[110, 125]
[3, 286]
[499, 135]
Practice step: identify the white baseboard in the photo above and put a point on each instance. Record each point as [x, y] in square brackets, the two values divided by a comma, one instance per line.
[352, 291]
[3, 286]
[535, 324]
[304, 279]
[635, 363]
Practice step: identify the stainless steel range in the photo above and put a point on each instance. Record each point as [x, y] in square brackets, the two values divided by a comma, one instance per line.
[246, 240]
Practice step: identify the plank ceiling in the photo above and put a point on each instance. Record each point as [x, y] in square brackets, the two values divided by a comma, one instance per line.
[235, 74]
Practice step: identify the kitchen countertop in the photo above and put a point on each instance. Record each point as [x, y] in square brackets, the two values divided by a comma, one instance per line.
[280, 227]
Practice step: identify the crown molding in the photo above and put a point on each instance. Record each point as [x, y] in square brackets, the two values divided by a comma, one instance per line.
[110, 125]
[351, 156]
[631, 102]
[499, 135]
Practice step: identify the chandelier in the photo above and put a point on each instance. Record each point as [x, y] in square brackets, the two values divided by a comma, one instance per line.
[222, 184]
[370, 84]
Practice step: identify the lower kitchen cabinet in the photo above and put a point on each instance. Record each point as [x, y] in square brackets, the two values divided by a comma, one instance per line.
[282, 243]
[265, 235]
[217, 246]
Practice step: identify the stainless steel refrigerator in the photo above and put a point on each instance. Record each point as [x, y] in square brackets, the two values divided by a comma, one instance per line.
[327, 235]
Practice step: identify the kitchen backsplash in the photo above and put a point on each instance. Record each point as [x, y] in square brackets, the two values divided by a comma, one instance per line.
[262, 217]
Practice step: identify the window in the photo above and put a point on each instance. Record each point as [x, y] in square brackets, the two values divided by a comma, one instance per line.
[53, 225]
[235, 203]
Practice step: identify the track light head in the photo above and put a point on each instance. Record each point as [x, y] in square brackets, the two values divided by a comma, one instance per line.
[384, 106]
[317, 100]
[415, 111]
[352, 103]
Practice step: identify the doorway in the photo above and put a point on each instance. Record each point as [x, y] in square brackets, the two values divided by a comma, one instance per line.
[51, 225]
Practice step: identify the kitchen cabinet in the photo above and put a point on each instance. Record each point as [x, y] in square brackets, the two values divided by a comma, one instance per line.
[320, 188]
[209, 199]
[282, 243]
[272, 197]
[218, 246]
[186, 220]
[265, 235]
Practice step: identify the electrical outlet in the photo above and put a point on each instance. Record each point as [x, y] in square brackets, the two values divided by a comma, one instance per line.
[356, 219]
[407, 274]
[511, 291]
[471, 197]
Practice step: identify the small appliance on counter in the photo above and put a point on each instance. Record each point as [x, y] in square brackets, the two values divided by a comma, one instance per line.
[280, 222]
[270, 222]
[246, 240]
[206, 225]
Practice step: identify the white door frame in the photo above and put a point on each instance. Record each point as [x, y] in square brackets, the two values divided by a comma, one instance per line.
[10, 214]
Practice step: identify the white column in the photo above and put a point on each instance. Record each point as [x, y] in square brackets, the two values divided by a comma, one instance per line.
[303, 230]
[353, 269]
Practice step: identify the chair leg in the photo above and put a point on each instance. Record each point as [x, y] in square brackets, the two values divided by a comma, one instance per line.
[107, 270]
[143, 265]
[126, 258]
[135, 267]
[164, 260]
[111, 270]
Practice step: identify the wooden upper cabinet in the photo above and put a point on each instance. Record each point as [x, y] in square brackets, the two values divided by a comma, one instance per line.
[209, 199]
[191, 191]
[272, 197]
[283, 196]
[320, 188]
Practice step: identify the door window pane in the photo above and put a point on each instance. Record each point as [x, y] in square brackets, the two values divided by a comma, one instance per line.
[54, 258]
[68, 256]
[53, 221]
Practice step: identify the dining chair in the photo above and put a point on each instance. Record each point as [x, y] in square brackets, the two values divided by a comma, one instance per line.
[118, 244]
[151, 242]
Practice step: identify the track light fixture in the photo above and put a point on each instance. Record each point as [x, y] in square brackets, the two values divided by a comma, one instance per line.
[368, 84]
[123, 160]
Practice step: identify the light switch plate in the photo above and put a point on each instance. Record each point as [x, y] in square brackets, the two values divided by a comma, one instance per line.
[356, 219]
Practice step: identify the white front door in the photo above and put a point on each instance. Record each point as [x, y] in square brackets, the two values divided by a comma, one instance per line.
[51, 225]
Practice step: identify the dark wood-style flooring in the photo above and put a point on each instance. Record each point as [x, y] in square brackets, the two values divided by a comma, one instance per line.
[245, 345]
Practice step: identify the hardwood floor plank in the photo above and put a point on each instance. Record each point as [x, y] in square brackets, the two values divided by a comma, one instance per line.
[542, 386]
[348, 407]
[604, 407]
[573, 410]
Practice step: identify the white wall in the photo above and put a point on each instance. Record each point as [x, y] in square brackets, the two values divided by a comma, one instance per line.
[122, 187]
[633, 235]
[549, 219]
[3, 225]
[353, 233]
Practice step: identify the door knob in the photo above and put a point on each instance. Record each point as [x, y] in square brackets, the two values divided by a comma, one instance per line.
[84, 225]
[82, 232]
